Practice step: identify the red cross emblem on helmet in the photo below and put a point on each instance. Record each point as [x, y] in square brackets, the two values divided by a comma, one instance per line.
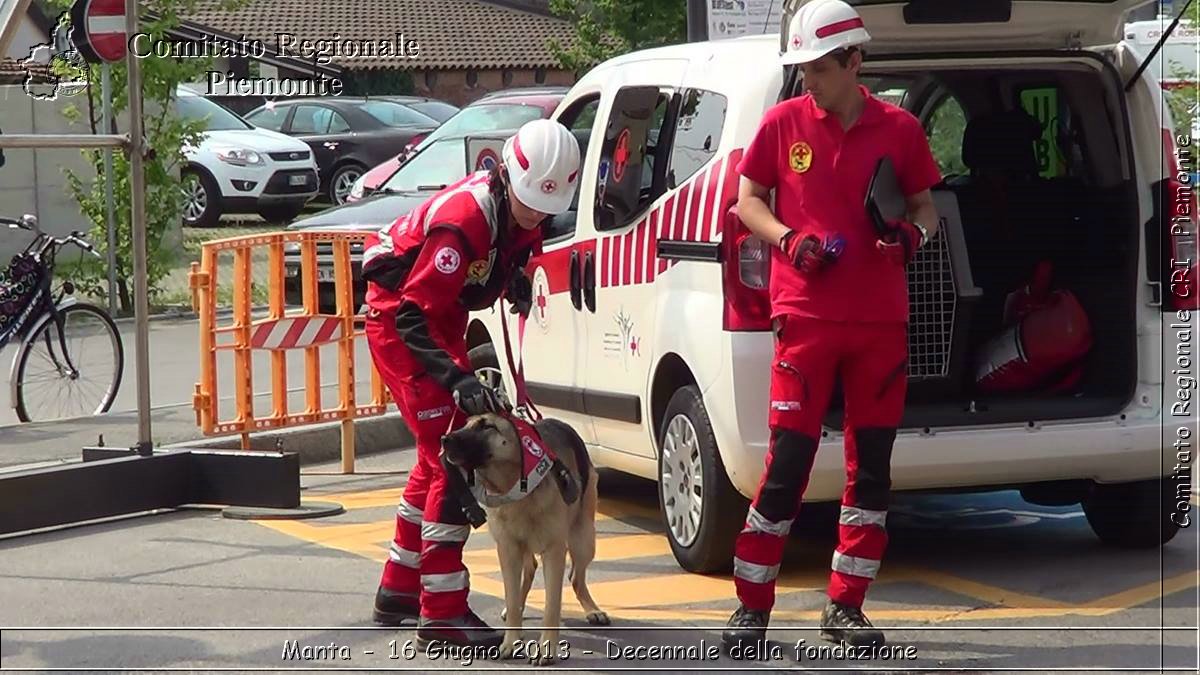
[797, 41]
[549, 186]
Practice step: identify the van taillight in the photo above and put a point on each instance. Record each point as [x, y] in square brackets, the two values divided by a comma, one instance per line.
[1180, 236]
[746, 263]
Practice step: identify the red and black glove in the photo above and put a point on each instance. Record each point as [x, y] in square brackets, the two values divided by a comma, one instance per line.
[900, 243]
[805, 252]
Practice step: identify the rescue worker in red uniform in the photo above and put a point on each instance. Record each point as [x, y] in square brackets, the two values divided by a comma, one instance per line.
[839, 303]
[459, 251]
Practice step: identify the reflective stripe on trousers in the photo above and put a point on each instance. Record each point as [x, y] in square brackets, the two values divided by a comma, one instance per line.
[403, 556]
[753, 572]
[445, 583]
[443, 532]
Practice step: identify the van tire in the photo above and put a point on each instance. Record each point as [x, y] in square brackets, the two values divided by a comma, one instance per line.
[484, 357]
[1132, 515]
[722, 507]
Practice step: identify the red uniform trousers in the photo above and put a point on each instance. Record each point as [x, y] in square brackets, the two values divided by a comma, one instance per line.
[431, 530]
[871, 359]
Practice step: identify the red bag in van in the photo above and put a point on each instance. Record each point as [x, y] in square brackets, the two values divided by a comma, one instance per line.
[1042, 349]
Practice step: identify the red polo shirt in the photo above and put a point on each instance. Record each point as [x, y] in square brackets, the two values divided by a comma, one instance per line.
[820, 175]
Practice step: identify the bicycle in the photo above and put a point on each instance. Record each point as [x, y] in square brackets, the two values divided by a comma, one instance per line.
[47, 321]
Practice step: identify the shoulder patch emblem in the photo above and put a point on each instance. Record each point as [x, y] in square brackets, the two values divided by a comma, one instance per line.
[800, 156]
[447, 260]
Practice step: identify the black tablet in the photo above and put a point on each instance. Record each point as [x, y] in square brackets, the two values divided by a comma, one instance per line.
[885, 200]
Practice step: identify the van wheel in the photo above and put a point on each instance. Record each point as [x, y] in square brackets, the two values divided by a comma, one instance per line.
[1132, 515]
[702, 511]
[487, 367]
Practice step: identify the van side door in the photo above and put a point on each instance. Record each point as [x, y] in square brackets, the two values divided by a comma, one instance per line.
[552, 342]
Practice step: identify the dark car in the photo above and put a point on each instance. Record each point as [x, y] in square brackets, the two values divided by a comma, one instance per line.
[441, 163]
[432, 107]
[347, 135]
[505, 109]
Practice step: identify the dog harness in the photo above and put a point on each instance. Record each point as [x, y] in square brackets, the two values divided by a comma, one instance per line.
[537, 461]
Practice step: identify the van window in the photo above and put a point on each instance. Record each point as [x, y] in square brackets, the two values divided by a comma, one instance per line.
[945, 128]
[632, 171]
[697, 133]
[578, 118]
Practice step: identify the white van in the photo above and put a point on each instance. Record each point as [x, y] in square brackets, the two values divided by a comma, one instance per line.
[650, 331]
[1178, 61]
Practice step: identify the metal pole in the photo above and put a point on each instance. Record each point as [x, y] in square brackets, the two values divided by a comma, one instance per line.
[141, 291]
[697, 20]
[110, 217]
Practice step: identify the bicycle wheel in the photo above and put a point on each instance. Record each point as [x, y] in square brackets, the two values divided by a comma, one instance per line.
[84, 380]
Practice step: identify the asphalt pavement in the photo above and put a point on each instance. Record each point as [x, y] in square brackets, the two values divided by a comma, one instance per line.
[175, 370]
[979, 582]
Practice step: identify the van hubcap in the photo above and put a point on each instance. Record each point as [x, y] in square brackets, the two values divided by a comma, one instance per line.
[682, 480]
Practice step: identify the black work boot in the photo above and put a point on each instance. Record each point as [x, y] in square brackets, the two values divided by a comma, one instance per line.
[746, 633]
[394, 609]
[845, 623]
[467, 630]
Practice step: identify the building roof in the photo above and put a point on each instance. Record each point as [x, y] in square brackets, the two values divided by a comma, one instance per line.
[12, 71]
[452, 34]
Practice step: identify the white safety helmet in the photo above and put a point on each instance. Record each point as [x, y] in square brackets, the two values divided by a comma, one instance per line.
[820, 27]
[542, 159]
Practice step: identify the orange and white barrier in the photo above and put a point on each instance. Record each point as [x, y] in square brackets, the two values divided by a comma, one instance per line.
[281, 330]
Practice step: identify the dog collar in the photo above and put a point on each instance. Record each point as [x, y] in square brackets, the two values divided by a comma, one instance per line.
[536, 462]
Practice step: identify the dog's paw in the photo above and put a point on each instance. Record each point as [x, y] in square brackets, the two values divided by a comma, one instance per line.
[598, 619]
[545, 660]
[507, 648]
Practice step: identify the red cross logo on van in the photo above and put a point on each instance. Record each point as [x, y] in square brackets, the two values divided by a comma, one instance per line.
[620, 155]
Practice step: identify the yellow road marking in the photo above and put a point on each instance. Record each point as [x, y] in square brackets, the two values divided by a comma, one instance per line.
[650, 598]
[975, 589]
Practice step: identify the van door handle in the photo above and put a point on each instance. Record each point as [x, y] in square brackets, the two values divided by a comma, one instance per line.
[576, 281]
[589, 281]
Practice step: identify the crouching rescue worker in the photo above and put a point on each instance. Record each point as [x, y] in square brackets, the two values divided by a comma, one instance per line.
[839, 304]
[459, 251]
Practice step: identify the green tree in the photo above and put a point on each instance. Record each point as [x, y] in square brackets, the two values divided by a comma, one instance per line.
[166, 134]
[607, 28]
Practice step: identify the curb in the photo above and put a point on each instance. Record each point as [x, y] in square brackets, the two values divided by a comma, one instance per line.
[319, 442]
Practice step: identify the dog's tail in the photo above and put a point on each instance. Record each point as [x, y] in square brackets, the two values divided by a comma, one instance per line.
[582, 460]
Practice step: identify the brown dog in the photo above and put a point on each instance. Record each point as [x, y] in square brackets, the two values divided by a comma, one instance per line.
[556, 516]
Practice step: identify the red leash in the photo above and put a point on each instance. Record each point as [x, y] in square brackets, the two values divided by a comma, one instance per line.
[523, 400]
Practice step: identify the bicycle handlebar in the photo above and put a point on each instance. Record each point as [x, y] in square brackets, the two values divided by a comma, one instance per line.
[73, 238]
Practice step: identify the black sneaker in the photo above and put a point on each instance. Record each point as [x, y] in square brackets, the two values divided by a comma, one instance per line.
[394, 609]
[844, 623]
[745, 632]
[467, 630]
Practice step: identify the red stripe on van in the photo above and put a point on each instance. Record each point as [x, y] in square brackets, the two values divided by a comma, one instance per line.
[602, 263]
[627, 270]
[652, 247]
[693, 224]
[557, 264]
[678, 224]
[712, 197]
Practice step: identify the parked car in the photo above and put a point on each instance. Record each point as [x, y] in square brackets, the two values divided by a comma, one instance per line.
[430, 169]
[347, 135]
[507, 109]
[438, 109]
[238, 168]
[651, 333]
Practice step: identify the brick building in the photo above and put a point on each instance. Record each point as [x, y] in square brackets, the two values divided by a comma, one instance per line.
[467, 48]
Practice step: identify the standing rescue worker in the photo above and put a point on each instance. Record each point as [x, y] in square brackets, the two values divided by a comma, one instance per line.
[459, 251]
[839, 302]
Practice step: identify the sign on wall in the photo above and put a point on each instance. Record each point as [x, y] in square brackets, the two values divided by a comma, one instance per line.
[735, 18]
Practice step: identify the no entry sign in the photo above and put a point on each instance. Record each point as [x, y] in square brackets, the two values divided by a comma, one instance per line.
[99, 29]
